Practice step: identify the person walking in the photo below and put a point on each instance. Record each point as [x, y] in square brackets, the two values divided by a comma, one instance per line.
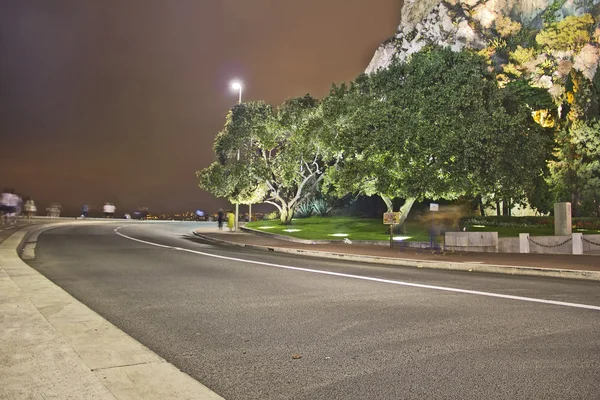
[109, 210]
[230, 220]
[4, 205]
[220, 216]
[14, 206]
[85, 211]
[29, 208]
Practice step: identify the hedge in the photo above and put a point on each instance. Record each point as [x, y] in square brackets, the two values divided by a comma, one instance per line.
[528, 222]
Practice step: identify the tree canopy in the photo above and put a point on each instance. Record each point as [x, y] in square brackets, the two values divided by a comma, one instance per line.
[282, 154]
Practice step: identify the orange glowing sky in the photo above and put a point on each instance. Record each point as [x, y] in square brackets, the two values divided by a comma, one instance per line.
[120, 100]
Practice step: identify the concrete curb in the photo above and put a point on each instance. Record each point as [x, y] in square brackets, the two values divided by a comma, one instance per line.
[56, 347]
[404, 262]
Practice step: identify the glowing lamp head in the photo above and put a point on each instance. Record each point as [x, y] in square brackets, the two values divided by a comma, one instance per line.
[236, 85]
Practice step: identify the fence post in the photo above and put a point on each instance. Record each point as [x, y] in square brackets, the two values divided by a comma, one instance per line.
[577, 243]
[523, 242]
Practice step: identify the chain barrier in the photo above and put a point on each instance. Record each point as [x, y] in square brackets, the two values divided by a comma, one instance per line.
[549, 246]
[589, 241]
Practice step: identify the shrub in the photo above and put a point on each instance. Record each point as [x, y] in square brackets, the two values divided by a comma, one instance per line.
[304, 210]
[271, 216]
[320, 207]
[528, 222]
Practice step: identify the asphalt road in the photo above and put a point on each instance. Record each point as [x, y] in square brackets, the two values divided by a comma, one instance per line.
[236, 326]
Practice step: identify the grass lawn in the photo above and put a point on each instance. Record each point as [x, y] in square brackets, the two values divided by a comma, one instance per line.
[354, 228]
[338, 228]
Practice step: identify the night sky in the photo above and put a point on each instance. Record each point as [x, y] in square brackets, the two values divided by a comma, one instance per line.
[120, 100]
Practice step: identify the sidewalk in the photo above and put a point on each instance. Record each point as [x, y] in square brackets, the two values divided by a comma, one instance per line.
[553, 265]
[54, 347]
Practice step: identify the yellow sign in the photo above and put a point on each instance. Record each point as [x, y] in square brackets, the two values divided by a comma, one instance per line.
[391, 218]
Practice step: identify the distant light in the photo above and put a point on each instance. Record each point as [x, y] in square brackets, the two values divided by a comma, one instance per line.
[338, 234]
[200, 213]
[292, 230]
[236, 85]
[266, 227]
[401, 238]
[478, 226]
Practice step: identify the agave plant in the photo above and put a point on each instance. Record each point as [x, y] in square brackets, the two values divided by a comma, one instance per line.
[320, 207]
[304, 210]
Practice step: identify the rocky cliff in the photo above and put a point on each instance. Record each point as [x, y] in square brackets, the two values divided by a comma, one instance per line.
[475, 24]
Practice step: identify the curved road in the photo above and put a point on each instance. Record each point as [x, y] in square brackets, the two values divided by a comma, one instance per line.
[237, 320]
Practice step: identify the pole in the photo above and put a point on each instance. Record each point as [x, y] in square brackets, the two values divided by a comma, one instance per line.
[237, 206]
[391, 235]
[432, 227]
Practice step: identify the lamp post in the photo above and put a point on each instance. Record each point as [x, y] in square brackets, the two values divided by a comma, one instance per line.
[235, 85]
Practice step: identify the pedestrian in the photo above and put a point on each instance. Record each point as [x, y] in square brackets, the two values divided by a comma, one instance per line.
[4, 205]
[85, 211]
[53, 210]
[14, 206]
[109, 210]
[29, 208]
[220, 216]
[230, 220]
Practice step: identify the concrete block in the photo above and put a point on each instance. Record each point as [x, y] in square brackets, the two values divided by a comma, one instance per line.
[563, 225]
[577, 243]
[524, 243]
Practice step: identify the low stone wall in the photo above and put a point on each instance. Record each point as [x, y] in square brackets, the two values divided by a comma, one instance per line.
[509, 245]
[472, 241]
[551, 244]
[591, 244]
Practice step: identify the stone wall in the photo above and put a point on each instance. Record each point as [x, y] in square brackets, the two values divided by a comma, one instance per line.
[591, 244]
[471, 241]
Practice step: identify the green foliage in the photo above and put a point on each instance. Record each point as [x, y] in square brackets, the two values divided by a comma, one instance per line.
[513, 70]
[541, 197]
[506, 27]
[272, 216]
[522, 55]
[430, 128]
[304, 210]
[575, 171]
[508, 222]
[320, 207]
[572, 33]
[281, 153]
[527, 222]
[533, 97]
[549, 15]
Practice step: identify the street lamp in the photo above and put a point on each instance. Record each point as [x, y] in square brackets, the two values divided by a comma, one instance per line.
[236, 85]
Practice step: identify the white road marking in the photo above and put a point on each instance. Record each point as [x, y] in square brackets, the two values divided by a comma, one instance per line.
[367, 278]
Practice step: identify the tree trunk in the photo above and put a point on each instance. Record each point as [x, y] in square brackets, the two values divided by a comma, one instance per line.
[405, 209]
[575, 204]
[498, 210]
[388, 202]
[597, 204]
[286, 214]
[481, 207]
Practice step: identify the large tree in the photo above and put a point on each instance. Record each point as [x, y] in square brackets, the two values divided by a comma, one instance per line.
[282, 155]
[434, 127]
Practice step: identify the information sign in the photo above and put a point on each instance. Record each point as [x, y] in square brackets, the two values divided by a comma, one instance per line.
[434, 207]
[391, 218]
